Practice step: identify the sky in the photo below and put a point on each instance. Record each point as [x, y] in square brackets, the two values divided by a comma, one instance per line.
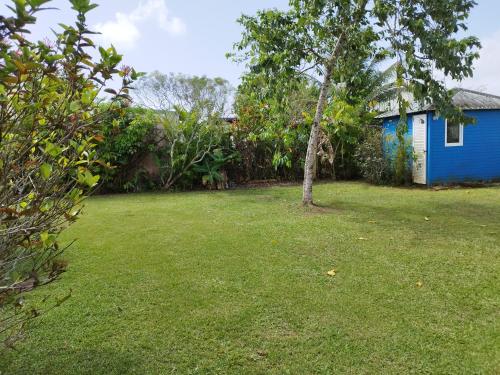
[193, 36]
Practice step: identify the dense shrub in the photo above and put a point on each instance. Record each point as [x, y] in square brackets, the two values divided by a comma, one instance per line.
[402, 160]
[274, 123]
[48, 134]
[273, 128]
[127, 139]
[382, 159]
[147, 150]
[371, 158]
[182, 141]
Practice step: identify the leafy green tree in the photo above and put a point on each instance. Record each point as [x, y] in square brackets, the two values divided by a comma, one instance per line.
[329, 38]
[273, 126]
[351, 112]
[49, 116]
[342, 126]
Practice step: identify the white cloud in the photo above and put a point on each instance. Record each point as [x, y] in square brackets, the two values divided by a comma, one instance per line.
[121, 32]
[124, 32]
[487, 68]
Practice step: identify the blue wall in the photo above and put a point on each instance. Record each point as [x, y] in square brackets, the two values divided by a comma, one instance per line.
[477, 160]
[390, 139]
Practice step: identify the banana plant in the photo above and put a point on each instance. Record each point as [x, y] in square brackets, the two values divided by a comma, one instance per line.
[211, 168]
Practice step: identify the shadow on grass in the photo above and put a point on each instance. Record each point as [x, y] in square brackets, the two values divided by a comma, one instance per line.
[466, 211]
[88, 361]
[320, 209]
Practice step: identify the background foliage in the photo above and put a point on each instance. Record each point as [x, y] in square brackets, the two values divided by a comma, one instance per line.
[183, 139]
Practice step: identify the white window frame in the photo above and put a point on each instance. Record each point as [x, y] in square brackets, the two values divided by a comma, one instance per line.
[457, 144]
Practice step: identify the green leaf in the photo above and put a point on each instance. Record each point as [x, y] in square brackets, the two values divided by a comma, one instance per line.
[44, 236]
[82, 6]
[75, 195]
[88, 179]
[47, 238]
[52, 149]
[53, 58]
[91, 180]
[37, 3]
[47, 205]
[46, 171]
[74, 106]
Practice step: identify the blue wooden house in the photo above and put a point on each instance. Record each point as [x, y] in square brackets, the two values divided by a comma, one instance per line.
[447, 152]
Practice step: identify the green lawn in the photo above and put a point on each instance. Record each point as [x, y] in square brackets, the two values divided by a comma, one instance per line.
[235, 283]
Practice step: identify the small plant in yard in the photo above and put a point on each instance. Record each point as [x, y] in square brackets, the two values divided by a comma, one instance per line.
[381, 159]
[49, 112]
[211, 169]
[372, 159]
[402, 161]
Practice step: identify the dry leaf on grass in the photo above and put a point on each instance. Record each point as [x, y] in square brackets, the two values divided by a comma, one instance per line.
[331, 273]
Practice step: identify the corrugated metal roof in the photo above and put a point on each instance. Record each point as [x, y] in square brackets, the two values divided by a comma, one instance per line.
[463, 98]
[468, 99]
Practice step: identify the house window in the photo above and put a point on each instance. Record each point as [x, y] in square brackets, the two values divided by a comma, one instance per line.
[454, 134]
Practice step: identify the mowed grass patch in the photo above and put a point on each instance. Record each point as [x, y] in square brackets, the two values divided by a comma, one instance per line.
[235, 282]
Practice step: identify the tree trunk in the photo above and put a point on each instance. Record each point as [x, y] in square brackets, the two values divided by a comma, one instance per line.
[315, 167]
[311, 156]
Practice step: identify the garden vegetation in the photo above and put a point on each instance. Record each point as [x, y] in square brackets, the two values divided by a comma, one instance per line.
[50, 112]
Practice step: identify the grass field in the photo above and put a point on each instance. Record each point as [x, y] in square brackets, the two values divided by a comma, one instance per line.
[235, 283]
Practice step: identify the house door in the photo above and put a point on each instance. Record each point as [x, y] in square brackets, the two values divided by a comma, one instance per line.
[420, 149]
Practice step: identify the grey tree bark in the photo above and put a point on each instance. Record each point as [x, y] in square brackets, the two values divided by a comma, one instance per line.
[312, 146]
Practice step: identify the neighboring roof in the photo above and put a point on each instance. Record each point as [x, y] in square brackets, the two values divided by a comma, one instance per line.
[469, 99]
[462, 98]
